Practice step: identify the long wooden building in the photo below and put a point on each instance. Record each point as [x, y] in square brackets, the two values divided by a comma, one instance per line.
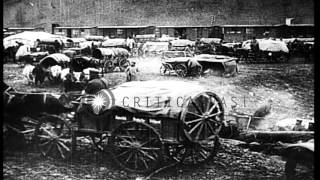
[229, 19]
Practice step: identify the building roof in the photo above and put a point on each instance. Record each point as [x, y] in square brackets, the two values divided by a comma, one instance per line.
[74, 27]
[21, 28]
[125, 27]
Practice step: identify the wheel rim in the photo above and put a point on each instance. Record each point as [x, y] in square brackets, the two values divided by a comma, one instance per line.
[193, 153]
[162, 70]
[181, 70]
[99, 142]
[123, 64]
[202, 117]
[197, 71]
[136, 147]
[30, 126]
[109, 66]
[54, 139]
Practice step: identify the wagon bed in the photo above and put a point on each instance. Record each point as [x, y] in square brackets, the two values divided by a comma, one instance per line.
[219, 63]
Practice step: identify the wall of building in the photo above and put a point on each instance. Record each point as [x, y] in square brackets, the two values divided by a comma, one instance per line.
[44, 13]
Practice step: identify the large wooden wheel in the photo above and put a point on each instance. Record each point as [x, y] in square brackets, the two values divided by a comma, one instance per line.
[123, 64]
[202, 117]
[193, 153]
[54, 138]
[165, 68]
[196, 71]
[181, 70]
[109, 66]
[136, 147]
[100, 142]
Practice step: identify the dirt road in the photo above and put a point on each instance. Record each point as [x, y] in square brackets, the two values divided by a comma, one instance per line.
[290, 86]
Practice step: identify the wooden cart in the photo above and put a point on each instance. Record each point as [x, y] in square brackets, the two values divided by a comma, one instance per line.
[138, 138]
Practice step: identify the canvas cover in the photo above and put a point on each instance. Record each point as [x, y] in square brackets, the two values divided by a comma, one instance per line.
[155, 46]
[54, 59]
[230, 45]
[148, 98]
[182, 42]
[268, 45]
[114, 42]
[94, 38]
[28, 38]
[308, 145]
[210, 40]
[145, 36]
[101, 52]
[203, 58]
[220, 63]
[166, 38]
[162, 97]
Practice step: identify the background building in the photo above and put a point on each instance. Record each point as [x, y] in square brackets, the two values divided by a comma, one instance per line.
[231, 19]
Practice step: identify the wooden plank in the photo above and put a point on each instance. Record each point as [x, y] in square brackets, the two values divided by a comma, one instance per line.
[275, 136]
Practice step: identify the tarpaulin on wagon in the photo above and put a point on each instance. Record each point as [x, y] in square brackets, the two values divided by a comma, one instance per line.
[114, 42]
[216, 62]
[54, 59]
[182, 42]
[29, 38]
[268, 45]
[210, 40]
[155, 46]
[101, 52]
[154, 98]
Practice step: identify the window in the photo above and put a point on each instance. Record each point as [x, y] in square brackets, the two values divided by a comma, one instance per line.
[119, 31]
[249, 30]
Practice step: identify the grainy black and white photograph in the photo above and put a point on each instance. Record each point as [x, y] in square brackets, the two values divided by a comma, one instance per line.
[158, 89]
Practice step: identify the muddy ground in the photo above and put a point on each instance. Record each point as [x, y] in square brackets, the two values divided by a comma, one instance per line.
[290, 86]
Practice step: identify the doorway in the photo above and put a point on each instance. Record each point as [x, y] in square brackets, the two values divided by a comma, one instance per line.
[180, 32]
[69, 33]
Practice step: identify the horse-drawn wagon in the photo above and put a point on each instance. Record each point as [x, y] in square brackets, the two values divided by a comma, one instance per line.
[181, 45]
[269, 50]
[138, 123]
[219, 64]
[111, 58]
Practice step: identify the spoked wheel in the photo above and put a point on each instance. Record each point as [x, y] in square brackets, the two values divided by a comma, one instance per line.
[181, 70]
[163, 70]
[54, 139]
[202, 117]
[100, 142]
[30, 126]
[123, 64]
[196, 71]
[193, 153]
[109, 66]
[136, 147]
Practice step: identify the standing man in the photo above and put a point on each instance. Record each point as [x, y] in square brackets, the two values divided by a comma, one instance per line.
[254, 47]
[130, 43]
[70, 79]
[132, 72]
[57, 46]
